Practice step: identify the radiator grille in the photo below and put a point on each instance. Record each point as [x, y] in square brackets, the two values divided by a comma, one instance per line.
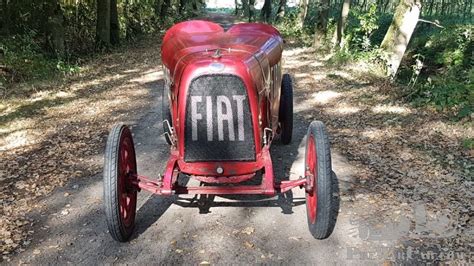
[218, 123]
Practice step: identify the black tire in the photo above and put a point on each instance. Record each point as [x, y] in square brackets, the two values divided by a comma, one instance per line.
[326, 208]
[166, 113]
[286, 109]
[120, 169]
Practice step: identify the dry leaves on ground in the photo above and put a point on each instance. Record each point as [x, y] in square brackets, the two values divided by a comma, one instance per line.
[63, 131]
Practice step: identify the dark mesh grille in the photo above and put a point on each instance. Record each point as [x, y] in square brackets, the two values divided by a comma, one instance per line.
[222, 129]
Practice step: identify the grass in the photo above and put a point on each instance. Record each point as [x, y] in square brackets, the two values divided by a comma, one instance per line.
[468, 143]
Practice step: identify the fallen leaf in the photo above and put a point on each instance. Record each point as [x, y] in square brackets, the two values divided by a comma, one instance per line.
[248, 230]
[248, 244]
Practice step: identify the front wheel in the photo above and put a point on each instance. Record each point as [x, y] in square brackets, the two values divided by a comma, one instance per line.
[321, 191]
[120, 193]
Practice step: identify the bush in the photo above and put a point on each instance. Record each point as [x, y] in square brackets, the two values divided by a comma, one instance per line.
[361, 25]
[446, 75]
[289, 27]
[80, 23]
[24, 59]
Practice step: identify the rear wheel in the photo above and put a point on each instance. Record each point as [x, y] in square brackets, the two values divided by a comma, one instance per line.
[286, 109]
[120, 194]
[166, 113]
[321, 191]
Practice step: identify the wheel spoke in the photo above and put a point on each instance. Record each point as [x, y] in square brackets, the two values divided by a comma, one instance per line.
[311, 166]
[121, 211]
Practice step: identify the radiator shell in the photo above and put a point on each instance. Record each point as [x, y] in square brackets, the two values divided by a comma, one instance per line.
[211, 141]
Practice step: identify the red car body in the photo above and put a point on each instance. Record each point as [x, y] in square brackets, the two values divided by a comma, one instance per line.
[225, 100]
[249, 51]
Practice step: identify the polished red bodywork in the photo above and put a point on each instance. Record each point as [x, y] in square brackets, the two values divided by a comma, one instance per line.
[251, 51]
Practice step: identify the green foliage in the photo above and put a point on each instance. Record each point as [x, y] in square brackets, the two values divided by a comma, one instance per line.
[66, 68]
[80, 22]
[447, 78]
[468, 143]
[361, 26]
[26, 44]
[438, 66]
[138, 19]
[362, 38]
[25, 59]
[372, 58]
[290, 28]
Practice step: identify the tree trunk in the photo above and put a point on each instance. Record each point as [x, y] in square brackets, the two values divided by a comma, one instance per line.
[430, 8]
[321, 24]
[53, 27]
[385, 6]
[399, 33]
[103, 23]
[114, 23]
[465, 9]
[341, 24]
[281, 10]
[266, 11]
[443, 7]
[303, 12]
[251, 8]
[245, 8]
[470, 8]
[379, 5]
[238, 6]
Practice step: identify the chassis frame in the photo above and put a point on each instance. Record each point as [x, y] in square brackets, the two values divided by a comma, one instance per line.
[167, 184]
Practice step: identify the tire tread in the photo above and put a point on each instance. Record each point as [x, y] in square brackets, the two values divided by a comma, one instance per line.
[286, 109]
[326, 208]
[111, 194]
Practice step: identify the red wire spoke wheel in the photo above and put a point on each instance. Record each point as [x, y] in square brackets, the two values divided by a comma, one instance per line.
[120, 193]
[321, 201]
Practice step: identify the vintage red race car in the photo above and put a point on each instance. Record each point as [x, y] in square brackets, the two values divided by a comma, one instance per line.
[225, 101]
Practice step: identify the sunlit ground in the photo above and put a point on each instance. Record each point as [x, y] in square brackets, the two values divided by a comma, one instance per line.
[56, 133]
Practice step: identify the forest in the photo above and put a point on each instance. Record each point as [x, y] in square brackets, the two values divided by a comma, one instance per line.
[42, 39]
[393, 80]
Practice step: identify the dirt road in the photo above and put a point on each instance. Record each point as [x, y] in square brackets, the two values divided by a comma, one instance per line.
[175, 230]
[70, 226]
